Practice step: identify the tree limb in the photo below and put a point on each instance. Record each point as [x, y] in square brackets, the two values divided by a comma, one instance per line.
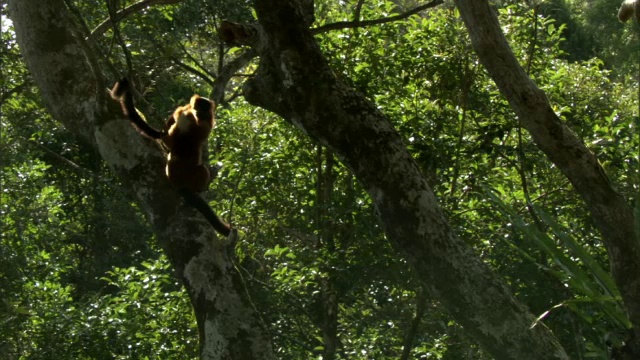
[357, 23]
[309, 96]
[193, 70]
[202, 68]
[611, 214]
[59, 66]
[131, 9]
[228, 71]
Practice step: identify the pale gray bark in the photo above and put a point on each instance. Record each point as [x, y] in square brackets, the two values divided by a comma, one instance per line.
[295, 82]
[611, 214]
[74, 89]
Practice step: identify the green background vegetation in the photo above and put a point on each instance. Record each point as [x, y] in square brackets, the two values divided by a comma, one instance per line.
[81, 276]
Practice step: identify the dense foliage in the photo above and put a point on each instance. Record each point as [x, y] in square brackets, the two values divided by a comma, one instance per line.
[81, 276]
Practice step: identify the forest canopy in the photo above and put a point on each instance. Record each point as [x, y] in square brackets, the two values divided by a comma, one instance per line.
[412, 180]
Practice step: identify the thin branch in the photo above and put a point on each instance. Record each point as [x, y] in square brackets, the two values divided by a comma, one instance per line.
[236, 94]
[131, 9]
[204, 69]
[61, 159]
[544, 195]
[78, 169]
[228, 71]
[111, 6]
[534, 40]
[221, 47]
[356, 14]
[467, 83]
[357, 23]
[521, 167]
[94, 53]
[194, 71]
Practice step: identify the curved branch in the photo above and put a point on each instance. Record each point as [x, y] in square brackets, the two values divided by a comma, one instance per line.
[131, 9]
[357, 23]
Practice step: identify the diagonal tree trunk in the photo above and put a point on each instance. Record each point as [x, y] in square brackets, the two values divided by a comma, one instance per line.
[74, 89]
[308, 95]
[611, 214]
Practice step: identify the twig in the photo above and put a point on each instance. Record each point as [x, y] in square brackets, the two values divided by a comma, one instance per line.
[522, 166]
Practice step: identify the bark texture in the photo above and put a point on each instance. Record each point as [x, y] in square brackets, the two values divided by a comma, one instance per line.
[295, 82]
[75, 90]
[611, 214]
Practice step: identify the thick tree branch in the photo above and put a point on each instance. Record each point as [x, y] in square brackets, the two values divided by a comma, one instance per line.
[57, 63]
[612, 215]
[228, 324]
[311, 98]
[357, 23]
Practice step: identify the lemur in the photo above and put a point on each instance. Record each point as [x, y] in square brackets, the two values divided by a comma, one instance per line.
[185, 133]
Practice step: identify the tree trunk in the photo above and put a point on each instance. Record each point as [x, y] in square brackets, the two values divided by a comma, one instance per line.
[611, 214]
[326, 239]
[310, 97]
[74, 89]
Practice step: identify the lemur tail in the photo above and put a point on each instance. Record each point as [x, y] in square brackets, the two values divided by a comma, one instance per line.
[203, 207]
